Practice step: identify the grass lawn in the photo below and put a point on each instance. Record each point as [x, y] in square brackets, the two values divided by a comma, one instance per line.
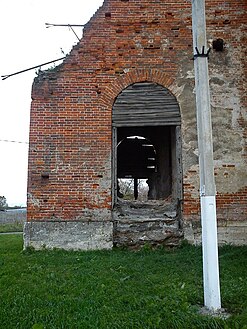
[115, 289]
[11, 227]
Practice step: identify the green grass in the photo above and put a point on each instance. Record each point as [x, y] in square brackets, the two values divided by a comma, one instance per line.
[11, 227]
[115, 289]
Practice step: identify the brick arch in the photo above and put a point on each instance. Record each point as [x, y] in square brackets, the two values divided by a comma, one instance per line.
[161, 78]
[134, 76]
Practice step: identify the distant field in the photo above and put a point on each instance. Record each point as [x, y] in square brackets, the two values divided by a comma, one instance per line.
[116, 289]
[12, 220]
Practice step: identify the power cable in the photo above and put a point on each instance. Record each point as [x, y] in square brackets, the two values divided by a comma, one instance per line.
[4, 77]
[10, 141]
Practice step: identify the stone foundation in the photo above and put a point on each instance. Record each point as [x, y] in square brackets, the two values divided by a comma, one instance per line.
[153, 222]
[125, 232]
[229, 232]
[135, 234]
[68, 235]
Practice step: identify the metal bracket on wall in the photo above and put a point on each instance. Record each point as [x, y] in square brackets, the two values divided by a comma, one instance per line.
[202, 54]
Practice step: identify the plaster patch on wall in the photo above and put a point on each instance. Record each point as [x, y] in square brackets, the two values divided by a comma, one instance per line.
[192, 177]
[190, 74]
[230, 179]
[226, 144]
[33, 201]
[177, 90]
[96, 215]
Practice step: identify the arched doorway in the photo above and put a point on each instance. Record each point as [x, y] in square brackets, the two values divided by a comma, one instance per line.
[147, 145]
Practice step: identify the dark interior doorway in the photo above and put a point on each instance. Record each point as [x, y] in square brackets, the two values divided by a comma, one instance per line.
[136, 164]
[145, 153]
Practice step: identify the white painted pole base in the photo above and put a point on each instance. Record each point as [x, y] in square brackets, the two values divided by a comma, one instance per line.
[211, 280]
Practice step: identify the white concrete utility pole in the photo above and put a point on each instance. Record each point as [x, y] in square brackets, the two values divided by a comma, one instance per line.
[211, 280]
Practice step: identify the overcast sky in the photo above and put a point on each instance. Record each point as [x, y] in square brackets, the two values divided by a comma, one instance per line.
[26, 42]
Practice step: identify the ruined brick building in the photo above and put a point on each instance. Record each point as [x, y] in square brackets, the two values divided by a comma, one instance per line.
[122, 104]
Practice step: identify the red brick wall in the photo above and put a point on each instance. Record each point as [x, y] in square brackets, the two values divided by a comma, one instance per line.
[127, 42]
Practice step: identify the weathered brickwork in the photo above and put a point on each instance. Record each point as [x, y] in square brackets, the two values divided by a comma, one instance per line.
[129, 41]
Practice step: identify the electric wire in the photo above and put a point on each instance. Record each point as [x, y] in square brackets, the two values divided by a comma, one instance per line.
[11, 141]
